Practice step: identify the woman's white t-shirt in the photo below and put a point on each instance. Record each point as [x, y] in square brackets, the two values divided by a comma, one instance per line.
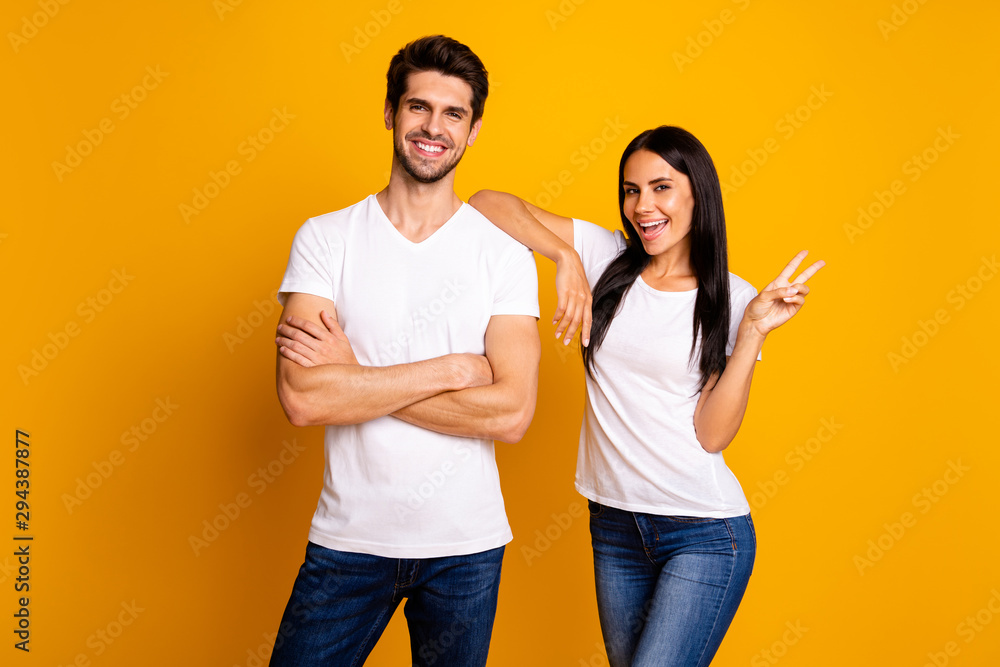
[638, 449]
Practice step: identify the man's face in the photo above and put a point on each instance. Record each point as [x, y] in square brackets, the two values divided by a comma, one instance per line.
[432, 127]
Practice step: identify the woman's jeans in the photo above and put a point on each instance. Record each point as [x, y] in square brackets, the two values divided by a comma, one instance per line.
[342, 601]
[668, 586]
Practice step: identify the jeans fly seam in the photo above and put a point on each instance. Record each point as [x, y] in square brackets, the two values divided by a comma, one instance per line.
[649, 555]
[411, 577]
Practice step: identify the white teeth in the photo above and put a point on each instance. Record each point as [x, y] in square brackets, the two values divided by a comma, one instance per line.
[430, 149]
[651, 224]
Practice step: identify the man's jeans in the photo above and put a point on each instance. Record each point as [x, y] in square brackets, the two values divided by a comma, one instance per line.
[668, 586]
[342, 601]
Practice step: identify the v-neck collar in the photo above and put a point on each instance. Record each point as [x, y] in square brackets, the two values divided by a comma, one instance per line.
[396, 233]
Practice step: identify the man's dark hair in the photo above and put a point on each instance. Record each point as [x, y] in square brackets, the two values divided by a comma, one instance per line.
[438, 53]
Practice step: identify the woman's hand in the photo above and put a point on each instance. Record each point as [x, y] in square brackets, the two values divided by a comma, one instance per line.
[573, 292]
[782, 297]
[309, 344]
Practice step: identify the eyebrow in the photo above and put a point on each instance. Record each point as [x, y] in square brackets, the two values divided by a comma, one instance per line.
[661, 179]
[417, 100]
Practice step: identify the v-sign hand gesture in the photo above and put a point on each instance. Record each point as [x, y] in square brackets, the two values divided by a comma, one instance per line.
[782, 297]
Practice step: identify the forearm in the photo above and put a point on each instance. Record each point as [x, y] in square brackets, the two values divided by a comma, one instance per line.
[494, 412]
[498, 411]
[719, 419]
[351, 394]
[513, 215]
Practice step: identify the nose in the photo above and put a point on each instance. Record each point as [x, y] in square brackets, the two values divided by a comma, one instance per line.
[645, 202]
[433, 124]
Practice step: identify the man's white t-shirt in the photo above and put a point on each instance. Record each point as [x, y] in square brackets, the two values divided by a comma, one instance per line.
[391, 488]
[638, 448]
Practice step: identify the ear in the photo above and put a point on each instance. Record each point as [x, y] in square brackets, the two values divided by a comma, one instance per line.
[474, 132]
[389, 115]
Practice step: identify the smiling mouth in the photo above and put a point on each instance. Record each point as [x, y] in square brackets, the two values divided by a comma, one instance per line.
[650, 230]
[429, 148]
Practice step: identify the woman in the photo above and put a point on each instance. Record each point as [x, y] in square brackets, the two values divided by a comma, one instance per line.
[669, 358]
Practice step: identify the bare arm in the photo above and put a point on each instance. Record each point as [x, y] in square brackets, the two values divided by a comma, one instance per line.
[723, 401]
[546, 233]
[550, 235]
[347, 393]
[502, 410]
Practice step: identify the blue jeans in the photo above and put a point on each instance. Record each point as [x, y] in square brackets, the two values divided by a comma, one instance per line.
[668, 586]
[342, 601]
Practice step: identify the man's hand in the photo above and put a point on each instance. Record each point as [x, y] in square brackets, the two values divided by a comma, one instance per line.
[476, 369]
[308, 344]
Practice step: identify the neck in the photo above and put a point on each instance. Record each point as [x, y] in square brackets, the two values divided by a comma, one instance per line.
[418, 209]
[673, 263]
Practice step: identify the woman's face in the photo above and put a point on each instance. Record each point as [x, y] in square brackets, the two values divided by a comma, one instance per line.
[658, 202]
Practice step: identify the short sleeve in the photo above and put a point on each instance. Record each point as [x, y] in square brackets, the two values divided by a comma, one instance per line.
[310, 265]
[596, 246]
[517, 292]
[741, 293]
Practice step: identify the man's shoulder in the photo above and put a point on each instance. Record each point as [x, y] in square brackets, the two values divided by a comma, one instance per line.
[342, 217]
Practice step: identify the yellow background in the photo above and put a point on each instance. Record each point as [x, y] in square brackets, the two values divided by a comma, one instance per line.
[562, 73]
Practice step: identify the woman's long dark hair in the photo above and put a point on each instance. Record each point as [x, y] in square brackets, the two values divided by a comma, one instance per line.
[709, 259]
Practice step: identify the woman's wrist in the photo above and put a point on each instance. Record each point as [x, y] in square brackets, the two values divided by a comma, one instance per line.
[750, 334]
[564, 253]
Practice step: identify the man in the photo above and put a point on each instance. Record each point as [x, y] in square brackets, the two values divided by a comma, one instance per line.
[409, 331]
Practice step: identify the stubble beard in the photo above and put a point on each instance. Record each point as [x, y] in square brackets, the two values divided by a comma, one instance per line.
[417, 169]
